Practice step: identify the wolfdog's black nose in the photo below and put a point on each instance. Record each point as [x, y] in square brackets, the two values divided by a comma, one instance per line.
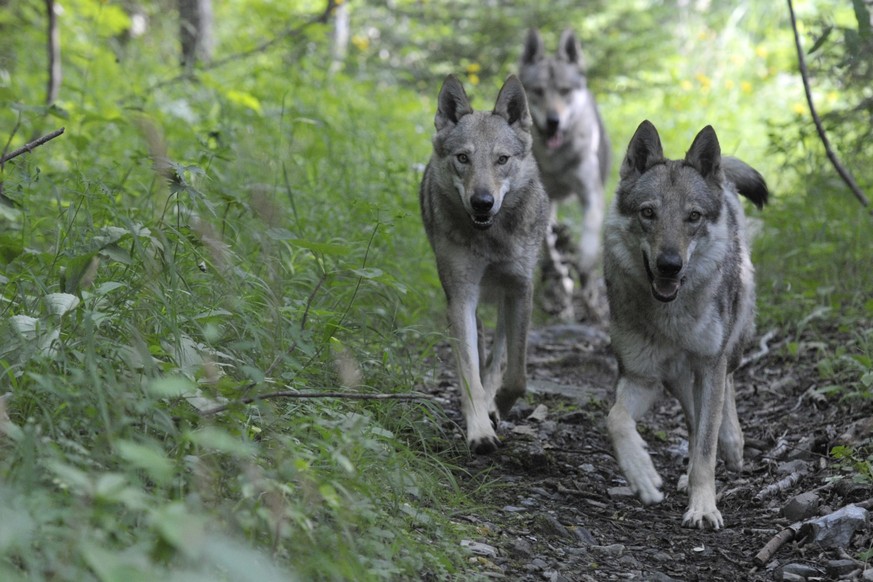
[552, 122]
[481, 201]
[669, 263]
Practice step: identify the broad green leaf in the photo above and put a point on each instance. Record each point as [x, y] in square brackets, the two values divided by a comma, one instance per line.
[131, 565]
[245, 99]
[116, 253]
[179, 527]
[172, 387]
[108, 286]
[16, 528]
[61, 303]
[219, 440]
[25, 325]
[368, 273]
[329, 249]
[149, 458]
[70, 477]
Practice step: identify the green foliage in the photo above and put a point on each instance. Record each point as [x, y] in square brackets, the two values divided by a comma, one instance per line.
[184, 245]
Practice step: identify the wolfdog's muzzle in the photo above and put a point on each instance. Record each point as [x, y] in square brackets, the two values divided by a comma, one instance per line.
[482, 202]
[666, 281]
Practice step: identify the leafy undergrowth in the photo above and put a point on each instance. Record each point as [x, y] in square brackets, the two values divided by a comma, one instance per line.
[178, 250]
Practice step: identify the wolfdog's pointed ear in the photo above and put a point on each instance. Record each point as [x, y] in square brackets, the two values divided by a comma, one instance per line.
[512, 103]
[452, 105]
[569, 48]
[643, 151]
[705, 153]
[534, 49]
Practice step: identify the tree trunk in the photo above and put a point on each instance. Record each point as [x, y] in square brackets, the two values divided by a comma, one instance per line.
[340, 35]
[195, 31]
[53, 86]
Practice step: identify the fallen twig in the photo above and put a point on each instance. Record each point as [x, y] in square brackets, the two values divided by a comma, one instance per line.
[31, 146]
[804, 75]
[779, 450]
[763, 349]
[776, 542]
[408, 396]
[781, 485]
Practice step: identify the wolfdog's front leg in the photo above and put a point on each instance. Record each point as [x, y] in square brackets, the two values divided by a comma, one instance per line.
[632, 401]
[474, 401]
[709, 394]
[515, 313]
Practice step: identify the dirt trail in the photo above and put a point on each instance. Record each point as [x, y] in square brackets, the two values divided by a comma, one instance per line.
[559, 509]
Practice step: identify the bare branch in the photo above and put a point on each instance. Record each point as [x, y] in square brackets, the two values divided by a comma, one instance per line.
[804, 74]
[763, 349]
[776, 542]
[783, 484]
[31, 146]
[408, 396]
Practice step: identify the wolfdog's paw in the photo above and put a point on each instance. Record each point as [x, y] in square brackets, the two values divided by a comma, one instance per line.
[645, 482]
[485, 445]
[702, 513]
[732, 455]
[481, 435]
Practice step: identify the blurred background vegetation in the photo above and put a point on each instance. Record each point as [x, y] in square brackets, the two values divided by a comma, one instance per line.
[247, 222]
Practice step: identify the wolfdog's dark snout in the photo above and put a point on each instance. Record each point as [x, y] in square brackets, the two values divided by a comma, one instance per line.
[669, 263]
[552, 122]
[482, 200]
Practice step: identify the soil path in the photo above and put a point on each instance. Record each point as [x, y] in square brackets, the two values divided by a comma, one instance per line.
[556, 507]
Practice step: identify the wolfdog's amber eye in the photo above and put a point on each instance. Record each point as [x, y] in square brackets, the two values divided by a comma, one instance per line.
[694, 216]
[502, 160]
[647, 212]
[463, 158]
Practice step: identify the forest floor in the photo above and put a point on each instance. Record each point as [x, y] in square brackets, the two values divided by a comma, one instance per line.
[555, 506]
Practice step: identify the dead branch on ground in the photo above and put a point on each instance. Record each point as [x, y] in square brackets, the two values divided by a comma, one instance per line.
[408, 396]
[770, 548]
[783, 484]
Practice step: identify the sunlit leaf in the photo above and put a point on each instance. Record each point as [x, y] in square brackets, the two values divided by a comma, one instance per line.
[245, 99]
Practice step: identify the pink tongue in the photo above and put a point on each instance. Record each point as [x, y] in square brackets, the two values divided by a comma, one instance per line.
[554, 142]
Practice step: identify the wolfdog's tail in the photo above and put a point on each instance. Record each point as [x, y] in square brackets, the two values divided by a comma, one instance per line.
[748, 181]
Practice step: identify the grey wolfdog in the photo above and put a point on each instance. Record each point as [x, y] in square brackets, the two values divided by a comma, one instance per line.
[681, 291]
[485, 213]
[573, 153]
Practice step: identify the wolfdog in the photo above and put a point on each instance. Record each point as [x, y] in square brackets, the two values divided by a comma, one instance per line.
[574, 156]
[485, 213]
[681, 291]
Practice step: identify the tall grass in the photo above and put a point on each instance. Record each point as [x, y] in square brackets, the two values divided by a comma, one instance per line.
[184, 247]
